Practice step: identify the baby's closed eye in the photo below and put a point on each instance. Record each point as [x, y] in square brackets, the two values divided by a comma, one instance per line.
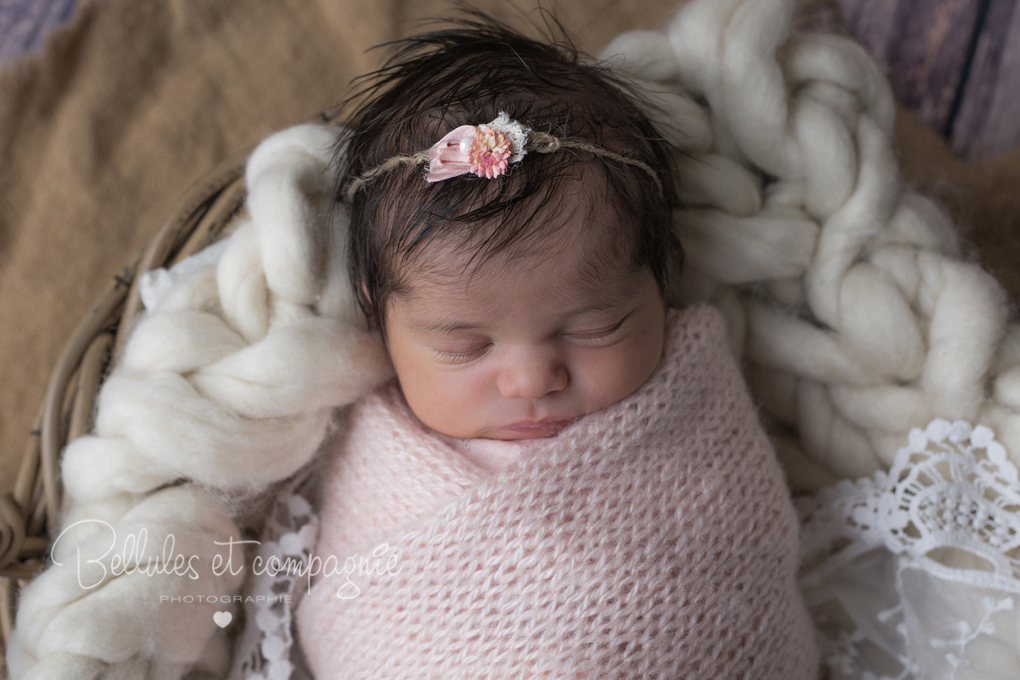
[455, 356]
[596, 334]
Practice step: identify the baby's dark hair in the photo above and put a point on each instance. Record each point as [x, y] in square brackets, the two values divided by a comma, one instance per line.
[467, 75]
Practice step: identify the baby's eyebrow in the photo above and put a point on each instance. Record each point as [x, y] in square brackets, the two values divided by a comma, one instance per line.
[597, 306]
[604, 301]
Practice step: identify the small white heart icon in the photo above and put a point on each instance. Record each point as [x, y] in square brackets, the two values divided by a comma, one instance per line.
[222, 619]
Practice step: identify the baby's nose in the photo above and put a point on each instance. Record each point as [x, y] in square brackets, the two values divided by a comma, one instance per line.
[532, 374]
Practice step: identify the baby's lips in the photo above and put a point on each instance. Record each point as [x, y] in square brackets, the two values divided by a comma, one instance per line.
[540, 428]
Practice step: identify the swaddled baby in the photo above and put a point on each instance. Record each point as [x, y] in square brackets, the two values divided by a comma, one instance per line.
[567, 478]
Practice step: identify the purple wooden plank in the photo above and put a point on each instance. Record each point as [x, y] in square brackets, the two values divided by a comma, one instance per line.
[924, 43]
[989, 118]
[819, 15]
[24, 24]
[871, 21]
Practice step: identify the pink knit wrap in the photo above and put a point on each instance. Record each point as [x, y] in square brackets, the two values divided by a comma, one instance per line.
[652, 539]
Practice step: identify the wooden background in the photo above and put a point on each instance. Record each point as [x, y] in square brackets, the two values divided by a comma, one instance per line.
[24, 24]
[954, 62]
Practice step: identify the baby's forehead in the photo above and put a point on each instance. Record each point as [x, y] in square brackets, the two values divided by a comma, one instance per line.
[575, 262]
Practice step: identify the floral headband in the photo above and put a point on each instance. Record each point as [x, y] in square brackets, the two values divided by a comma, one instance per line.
[486, 151]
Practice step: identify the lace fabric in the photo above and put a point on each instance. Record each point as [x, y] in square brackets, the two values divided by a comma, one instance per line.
[267, 648]
[915, 572]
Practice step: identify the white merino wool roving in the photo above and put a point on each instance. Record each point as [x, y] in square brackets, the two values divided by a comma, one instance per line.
[844, 290]
[225, 387]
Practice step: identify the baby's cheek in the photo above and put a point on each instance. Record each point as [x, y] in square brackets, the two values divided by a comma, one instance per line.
[462, 392]
[608, 376]
[450, 402]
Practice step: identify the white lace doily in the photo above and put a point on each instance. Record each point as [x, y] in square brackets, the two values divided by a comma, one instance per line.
[265, 647]
[915, 573]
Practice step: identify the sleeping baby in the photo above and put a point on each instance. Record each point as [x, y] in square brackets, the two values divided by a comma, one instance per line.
[567, 478]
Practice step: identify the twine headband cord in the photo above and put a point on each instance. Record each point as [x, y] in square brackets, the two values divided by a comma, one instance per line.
[546, 143]
[487, 151]
[391, 163]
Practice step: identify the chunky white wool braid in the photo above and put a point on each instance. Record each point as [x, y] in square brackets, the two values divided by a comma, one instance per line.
[844, 290]
[230, 384]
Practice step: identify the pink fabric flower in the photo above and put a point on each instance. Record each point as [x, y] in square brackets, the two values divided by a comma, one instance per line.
[481, 150]
[446, 159]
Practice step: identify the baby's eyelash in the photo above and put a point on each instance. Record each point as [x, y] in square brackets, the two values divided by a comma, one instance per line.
[598, 335]
[457, 357]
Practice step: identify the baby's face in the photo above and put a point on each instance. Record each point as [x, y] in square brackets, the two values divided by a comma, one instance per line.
[525, 345]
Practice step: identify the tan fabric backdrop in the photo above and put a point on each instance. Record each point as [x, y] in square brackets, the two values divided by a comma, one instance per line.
[136, 98]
